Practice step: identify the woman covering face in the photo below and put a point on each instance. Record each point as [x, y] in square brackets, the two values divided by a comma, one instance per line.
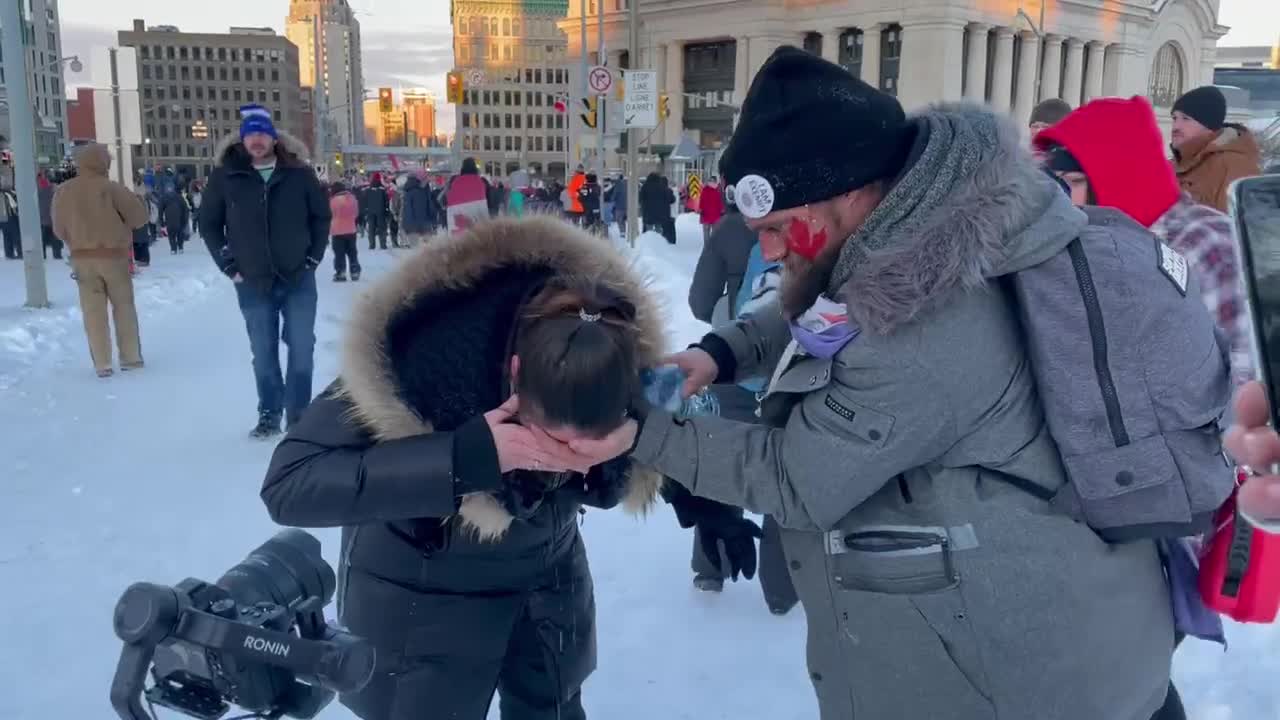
[442, 451]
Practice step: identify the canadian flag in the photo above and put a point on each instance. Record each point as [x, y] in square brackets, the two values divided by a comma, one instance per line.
[561, 104]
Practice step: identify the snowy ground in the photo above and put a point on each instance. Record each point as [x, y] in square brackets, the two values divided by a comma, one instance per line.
[150, 477]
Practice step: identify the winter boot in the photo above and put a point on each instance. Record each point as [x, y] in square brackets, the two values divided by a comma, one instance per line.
[708, 583]
[132, 366]
[355, 276]
[268, 426]
[340, 277]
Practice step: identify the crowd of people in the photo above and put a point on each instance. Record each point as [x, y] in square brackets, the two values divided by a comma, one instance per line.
[961, 548]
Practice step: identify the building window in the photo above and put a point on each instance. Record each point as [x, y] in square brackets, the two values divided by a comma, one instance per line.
[168, 52]
[493, 26]
[222, 55]
[146, 72]
[182, 53]
[506, 26]
[276, 115]
[1165, 84]
[890, 58]
[515, 27]
[199, 72]
[813, 43]
[508, 123]
[145, 52]
[173, 72]
[185, 72]
[275, 76]
[850, 53]
[275, 96]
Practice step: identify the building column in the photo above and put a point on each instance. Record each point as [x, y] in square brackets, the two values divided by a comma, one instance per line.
[932, 63]
[871, 55]
[1025, 95]
[741, 69]
[975, 66]
[1051, 68]
[1073, 81]
[1125, 72]
[1093, 70]
[831, 45]
[1002, 70]
[675, 90]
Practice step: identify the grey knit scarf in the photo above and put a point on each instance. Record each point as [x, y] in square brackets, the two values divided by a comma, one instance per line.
[954, 147]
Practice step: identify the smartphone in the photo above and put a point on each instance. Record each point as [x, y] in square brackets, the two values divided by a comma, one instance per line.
[1255, 205]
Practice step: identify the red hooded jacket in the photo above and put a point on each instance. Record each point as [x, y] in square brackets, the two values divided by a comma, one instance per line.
[1121, 150]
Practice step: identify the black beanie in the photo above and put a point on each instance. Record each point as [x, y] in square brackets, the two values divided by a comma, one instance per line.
[1206, 105]
[809, 131]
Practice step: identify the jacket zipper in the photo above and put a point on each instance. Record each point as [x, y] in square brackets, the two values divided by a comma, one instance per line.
[1098, 338]
[266, 223]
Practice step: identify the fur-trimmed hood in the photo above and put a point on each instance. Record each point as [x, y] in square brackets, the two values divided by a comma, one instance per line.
[448, 264]
[289, 149]
[970, 206]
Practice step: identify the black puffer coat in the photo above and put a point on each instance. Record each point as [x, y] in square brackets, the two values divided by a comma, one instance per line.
[265, 230]
[455, 598]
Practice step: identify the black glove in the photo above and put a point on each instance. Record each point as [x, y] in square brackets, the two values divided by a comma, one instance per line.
[717, 523]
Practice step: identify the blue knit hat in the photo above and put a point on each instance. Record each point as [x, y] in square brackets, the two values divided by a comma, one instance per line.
[256, 119]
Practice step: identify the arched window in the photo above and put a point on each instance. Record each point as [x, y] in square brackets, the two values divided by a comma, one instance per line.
[1165, 84]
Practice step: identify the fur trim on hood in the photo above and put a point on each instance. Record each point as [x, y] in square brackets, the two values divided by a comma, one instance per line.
[971, 205]
[294, 150]
[368, 379]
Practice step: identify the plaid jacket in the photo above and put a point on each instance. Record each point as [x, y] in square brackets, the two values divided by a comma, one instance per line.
[1206, 238]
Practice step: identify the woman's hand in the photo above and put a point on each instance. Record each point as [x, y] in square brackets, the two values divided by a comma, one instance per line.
[1252, 442]
[602, 450]
[699, 367]
[520, 449]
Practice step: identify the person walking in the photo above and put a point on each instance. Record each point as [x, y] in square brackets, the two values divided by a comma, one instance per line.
[174, 218]
[96, 217]
[656, 198]
[395, 201]
[906, 453]
[9, 225]
[418, 212]
[48, 238]
[142, 241]
[345, 208]
[710, 207]
[467, 198]
[377, 212]
[265, 221]
[1208, 152]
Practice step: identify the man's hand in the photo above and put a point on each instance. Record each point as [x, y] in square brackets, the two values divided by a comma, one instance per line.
[699, 367]
[312, 263]
[737, 536]
[237, 278]
[1252, 442]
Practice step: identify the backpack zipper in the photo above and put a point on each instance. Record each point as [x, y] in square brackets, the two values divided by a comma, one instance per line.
[1098, 339]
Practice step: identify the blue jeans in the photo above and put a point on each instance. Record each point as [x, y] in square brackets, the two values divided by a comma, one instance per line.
[263, 310]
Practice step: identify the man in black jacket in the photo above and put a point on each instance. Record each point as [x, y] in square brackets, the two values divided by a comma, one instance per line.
[377, 212]
[265, 217]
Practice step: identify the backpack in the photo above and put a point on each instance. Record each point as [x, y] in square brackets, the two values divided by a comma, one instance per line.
[1134, 377]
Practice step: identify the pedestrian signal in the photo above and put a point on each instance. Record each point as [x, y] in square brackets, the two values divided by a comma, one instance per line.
[455, 89]
[385, 102]
[589, 117]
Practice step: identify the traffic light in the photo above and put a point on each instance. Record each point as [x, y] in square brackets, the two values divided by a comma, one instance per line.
[337, 159]
[454, 89]
[664, 105]
[589, 117]
[385, 102]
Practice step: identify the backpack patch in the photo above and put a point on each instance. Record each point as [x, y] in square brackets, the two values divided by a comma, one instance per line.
[1173, 265]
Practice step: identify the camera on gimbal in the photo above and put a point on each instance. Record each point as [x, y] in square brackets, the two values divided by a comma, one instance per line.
[257, 639]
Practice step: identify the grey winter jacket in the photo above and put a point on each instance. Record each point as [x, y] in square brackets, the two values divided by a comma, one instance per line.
[934, 583]
[722, 264]
[45, 197]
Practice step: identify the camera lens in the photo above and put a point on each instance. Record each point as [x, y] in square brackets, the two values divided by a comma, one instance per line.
[283, 570]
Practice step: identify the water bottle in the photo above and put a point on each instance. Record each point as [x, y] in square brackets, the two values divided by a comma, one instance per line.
[662, 387]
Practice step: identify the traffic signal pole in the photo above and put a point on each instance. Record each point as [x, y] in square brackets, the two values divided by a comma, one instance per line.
[600, 100]
[22, 142]
[633, 135]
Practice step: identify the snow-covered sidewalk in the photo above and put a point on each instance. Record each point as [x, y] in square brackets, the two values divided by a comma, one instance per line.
[150, 476]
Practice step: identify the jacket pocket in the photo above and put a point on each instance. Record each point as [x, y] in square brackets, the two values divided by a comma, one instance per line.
[906, 626]
[1121, 490]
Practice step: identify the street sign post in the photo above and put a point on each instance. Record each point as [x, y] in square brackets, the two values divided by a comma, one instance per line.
[640, 108]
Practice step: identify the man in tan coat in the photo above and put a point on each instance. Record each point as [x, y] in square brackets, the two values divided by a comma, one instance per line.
[96, 217]
[1208, 153]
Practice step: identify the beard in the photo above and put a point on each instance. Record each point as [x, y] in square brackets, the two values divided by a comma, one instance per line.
[804, 280]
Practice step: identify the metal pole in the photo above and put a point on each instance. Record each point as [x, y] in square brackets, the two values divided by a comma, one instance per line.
[601, 100]
[1040, 47]
[633, 135]
[115, 114]
[22, 143]
[322, 93]
[586, 86]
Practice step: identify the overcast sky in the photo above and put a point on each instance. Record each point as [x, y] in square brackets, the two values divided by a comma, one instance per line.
[407, 42]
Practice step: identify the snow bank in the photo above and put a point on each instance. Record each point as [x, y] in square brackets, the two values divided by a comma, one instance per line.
[34, 340]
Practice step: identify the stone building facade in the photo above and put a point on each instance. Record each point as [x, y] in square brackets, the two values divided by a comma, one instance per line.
[707, 51]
